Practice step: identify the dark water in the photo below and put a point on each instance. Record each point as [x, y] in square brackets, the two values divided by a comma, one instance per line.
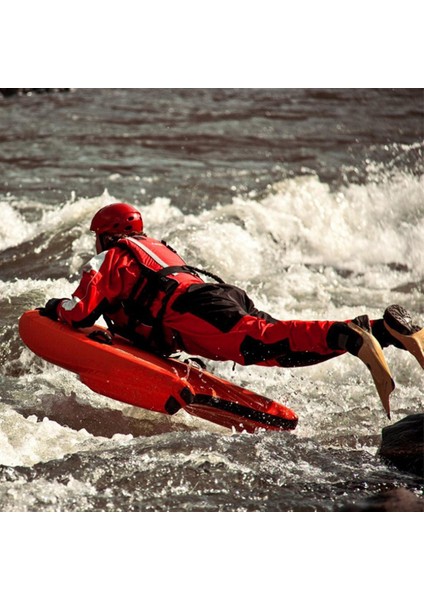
[313, 200]
[200, 146]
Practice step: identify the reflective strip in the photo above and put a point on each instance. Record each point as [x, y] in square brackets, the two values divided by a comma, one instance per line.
[95, 263]
[70, 304]
[150, 253]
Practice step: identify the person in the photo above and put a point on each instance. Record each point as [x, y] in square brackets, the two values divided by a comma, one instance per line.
[148, 294]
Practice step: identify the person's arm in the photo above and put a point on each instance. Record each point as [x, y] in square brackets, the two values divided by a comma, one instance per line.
[100, 285]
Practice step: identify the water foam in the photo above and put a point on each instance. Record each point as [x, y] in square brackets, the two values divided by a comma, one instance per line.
[286, 250]
[75, 213]
[303, 221]
[25, 442]
[14, 229]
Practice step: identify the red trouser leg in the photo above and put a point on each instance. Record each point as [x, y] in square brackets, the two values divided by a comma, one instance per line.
[255, 340]
[284, 343]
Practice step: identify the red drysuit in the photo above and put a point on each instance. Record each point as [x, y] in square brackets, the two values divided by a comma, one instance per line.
[147, 293]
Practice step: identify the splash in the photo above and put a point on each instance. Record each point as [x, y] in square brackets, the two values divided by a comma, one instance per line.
[14, 229]
[304, 250]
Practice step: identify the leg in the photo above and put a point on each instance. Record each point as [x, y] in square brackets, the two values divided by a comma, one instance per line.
[290, 343]
[222, 323]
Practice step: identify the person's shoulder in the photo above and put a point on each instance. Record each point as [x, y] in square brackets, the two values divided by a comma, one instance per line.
[107, 257]
[94, 263]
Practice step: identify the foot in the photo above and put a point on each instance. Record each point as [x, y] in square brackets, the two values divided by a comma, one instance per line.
[398, 323]
[372, 356]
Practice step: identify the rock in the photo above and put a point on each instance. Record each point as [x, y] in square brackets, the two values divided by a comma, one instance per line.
[395, 500]
[402, 444]
[7, 92]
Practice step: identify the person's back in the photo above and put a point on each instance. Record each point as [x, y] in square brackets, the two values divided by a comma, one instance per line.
[130, 282]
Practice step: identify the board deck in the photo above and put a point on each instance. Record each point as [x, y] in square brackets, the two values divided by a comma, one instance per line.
[128, 374]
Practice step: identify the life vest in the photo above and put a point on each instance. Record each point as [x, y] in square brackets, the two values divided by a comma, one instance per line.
[162, 272]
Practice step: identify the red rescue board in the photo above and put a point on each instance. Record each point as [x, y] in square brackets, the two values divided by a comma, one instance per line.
[128, 374]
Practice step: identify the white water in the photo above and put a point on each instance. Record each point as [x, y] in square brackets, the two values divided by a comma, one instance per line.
[291, 251]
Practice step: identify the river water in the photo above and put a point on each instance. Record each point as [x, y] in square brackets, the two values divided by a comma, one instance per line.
[310, 199]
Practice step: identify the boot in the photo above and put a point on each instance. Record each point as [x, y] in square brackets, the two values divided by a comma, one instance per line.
[410, 337]
[356, 338]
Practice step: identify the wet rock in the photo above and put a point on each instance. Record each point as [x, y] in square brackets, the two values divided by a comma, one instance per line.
[402, 444]
[7, 92]
[395, 500]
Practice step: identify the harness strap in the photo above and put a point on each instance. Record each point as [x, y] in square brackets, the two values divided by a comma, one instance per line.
[187, 269]
[207, 273]
[160, 278]
[151, 282]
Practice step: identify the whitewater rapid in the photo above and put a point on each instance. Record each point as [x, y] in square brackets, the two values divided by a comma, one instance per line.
[303, 250]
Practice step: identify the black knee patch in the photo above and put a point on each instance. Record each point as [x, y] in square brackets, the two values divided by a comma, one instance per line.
[254, 351]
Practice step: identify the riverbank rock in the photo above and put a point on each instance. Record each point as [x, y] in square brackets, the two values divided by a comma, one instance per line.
[402, 444]
[395, 500]
[7, 92]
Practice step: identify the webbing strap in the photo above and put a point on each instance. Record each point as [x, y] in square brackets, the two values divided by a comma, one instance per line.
[139, 311]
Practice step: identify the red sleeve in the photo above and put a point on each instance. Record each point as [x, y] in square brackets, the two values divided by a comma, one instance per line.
[106, 278]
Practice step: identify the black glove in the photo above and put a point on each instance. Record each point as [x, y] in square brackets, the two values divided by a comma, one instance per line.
[50, 309]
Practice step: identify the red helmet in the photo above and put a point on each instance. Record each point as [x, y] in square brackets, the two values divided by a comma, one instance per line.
[117, 218]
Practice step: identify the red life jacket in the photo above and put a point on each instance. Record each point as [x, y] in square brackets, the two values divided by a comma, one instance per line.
[162, 272]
